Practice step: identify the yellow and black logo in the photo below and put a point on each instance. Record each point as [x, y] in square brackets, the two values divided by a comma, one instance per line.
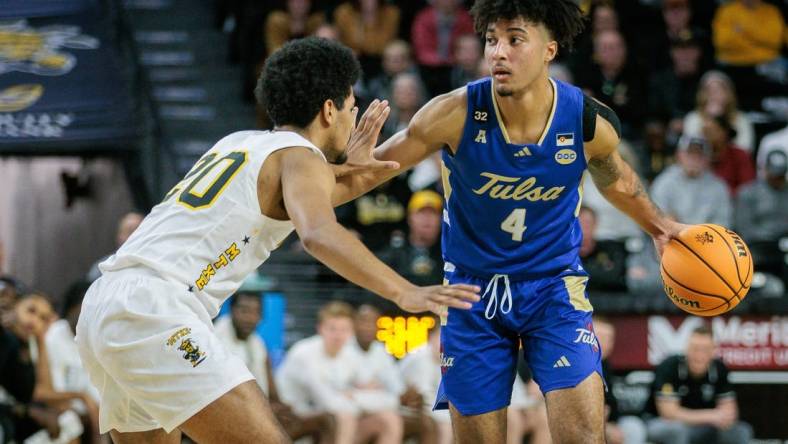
[19, 97]
[40, 51]
[191, 352]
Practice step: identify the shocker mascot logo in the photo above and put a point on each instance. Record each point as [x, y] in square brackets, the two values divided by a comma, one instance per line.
[38, 51]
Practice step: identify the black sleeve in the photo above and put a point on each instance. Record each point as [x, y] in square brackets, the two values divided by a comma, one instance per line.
[723, 388]
[590, 110]
[666, 379]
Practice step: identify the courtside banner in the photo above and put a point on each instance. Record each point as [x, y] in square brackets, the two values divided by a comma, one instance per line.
[743, 342]
[60, 77]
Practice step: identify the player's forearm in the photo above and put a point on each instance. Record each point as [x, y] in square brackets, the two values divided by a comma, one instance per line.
[619, 184]
[352, 186]
[345, 254]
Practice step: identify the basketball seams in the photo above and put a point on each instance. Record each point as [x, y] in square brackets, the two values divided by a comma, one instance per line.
[707, 264]
[733, 254]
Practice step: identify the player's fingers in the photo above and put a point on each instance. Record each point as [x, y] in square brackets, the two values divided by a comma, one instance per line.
[456, 303]
[460, 294]
[466, 287]
[377, 124]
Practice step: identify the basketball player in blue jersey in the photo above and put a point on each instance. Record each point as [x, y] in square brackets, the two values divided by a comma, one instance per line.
[515, 148]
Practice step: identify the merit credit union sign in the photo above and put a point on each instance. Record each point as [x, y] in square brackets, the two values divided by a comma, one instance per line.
[743, 342]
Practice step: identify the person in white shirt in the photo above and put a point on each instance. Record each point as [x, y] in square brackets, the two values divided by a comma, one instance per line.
[421, 370]
[379, 383]
[320, 374]
[237, 333]
[70, 381]
[776, 141]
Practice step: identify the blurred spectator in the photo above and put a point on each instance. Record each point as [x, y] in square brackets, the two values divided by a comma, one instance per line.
[298, 20]
[613, 80]
[326, 31]
[527, 413]
[730, 163]
[748, 37]
[32, 317]
[126, 226]
[367, 26]
[69, 378]
[10, 290]
[716, 96]
[677, 18]
[673, 89]
[379, 383]
[418, 257]
[378, 214]
[603, 17]
[237, 333]
[618, 429]
[397, 60]
[407, 96]
[688, 190]
[643, 276]
[692, 400]
[762, 214]
[605, 261]
[467, 54]
[319, 375]
[611, 223]
[776, 141]
[421, 371]
[435, 31]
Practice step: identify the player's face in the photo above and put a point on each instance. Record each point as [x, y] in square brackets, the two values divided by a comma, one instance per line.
[246, 313]
[517, 52]
[343, 125]
[700, 352]
[335, 333]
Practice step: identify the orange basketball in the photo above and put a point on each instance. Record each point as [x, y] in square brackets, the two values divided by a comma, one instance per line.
[707, 270]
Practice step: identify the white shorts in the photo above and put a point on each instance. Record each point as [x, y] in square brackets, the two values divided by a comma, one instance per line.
[149, 348]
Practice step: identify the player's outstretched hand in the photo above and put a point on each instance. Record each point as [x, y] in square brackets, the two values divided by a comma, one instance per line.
[674, 228]
[436, 298]
[364, 138]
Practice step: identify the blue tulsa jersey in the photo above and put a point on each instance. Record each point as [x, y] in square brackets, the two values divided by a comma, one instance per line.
[512, 208]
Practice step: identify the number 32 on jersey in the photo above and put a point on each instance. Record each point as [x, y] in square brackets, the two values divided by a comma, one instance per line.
[203, 184]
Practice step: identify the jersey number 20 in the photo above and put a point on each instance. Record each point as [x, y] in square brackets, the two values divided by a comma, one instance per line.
[515, 224]
[207, 179]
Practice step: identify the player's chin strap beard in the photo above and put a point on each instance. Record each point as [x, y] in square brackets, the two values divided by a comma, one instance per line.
[492, 302]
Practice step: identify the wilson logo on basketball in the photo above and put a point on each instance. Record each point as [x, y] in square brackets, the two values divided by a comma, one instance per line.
[740, 246]
[687, 303]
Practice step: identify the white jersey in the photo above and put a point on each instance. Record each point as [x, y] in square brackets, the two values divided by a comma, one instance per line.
[209, 233]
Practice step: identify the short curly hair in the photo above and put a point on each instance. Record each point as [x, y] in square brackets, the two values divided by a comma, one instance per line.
[563, 18]
[300, 76]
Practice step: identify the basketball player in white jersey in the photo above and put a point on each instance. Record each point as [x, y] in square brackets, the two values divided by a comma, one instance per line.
[145, 333]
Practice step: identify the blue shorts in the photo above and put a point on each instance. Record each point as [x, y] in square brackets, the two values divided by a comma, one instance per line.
[552, 318]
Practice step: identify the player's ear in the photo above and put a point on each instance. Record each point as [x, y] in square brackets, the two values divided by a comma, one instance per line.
[551, 50]
[328, 112]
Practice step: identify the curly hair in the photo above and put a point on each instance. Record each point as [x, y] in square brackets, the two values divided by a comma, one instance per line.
[300, 76]
[563, 18]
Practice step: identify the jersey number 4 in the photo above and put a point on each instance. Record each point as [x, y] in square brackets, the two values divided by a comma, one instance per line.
[515, 224]
[207, 179]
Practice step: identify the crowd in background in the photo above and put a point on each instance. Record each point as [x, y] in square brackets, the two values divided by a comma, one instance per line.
[700, 88]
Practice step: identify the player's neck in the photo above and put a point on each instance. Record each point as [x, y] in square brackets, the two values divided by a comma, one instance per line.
[535, 101]
[315, 135]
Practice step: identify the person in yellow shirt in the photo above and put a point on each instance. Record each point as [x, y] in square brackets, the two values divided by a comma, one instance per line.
[749, 34]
